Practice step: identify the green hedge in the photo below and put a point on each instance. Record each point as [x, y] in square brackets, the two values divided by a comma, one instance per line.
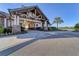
[52, 28]
[8, 30]
[1, 29]
[77, 27]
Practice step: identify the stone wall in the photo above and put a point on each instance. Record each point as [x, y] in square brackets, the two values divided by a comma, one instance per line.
[16, 29]
[45, 25]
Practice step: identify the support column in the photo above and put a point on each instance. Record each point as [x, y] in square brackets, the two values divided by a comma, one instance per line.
[18, 20]
[8, 21]
[45, 26]
[5, 23]
[15, 20]
[18, 24]
[16, 27]
[35, 11]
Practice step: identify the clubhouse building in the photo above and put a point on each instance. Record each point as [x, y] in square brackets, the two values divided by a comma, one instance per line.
[27, 17]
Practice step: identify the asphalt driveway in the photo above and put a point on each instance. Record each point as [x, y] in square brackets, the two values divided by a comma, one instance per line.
[46, 44]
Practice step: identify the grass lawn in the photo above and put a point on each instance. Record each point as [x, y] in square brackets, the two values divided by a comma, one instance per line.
[65, 28]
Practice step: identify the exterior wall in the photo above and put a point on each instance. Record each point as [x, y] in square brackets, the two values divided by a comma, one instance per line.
[15, 25]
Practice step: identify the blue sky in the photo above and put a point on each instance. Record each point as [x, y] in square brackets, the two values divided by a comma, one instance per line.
[68, 12]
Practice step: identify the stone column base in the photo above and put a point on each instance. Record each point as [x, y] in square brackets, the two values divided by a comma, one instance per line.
[16, 29]
[45, 28]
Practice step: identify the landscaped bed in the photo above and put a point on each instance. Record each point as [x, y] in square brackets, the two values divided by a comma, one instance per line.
[11, 34]
[8, 31]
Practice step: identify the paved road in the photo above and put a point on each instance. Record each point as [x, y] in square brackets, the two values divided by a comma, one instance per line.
[52, 47]
[66, 34]
[46, 43]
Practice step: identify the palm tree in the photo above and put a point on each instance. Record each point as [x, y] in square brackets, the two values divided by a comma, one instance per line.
[58, 21]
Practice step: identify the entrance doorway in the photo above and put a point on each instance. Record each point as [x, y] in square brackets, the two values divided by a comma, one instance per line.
[31, 25]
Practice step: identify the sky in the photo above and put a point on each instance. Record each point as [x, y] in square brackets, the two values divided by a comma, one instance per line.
[69, 12]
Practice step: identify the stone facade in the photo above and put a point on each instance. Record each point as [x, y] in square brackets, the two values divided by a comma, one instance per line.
[16, 29]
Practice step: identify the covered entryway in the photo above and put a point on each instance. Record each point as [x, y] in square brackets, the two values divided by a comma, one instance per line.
[30, 24]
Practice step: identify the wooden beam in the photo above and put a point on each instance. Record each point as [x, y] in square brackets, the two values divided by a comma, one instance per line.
[31, 8]
[35, 11]
[39, 16]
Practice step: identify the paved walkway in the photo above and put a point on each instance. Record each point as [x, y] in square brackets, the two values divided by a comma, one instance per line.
[45, 43]
[33, 35]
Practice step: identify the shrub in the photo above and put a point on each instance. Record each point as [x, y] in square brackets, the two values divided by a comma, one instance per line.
[41, 29]
[8, 30]
[38, 28]
[5, 30]
[1, 29]
[77, 27]
[52, 28]
[22, 29]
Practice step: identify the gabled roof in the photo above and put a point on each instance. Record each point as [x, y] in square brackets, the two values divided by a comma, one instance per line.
[4, 13]
[21, 8]
[43, 14]
[29, 7]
